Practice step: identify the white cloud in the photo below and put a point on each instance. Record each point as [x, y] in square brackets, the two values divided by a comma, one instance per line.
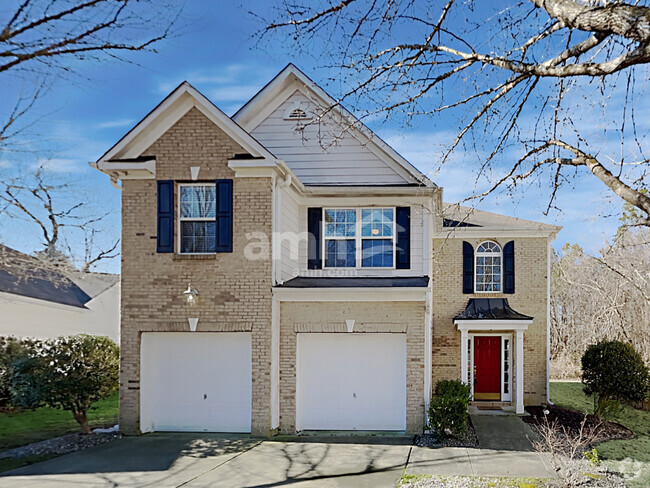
[115, 123]
[61, 165]
[232, 85]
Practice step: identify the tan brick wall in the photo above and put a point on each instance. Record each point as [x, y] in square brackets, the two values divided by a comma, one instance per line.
[235, 293]
[369, 317]
[530, 298]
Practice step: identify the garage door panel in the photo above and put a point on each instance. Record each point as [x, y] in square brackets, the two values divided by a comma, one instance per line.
[196, 382]
[351, 382]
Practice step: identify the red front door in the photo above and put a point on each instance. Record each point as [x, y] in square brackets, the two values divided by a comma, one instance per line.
[487, 368]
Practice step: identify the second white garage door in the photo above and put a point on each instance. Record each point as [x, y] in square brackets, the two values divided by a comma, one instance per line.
[196, 382]
[351, 382]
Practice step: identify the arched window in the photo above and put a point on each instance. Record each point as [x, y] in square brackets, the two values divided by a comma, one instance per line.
[488, 267]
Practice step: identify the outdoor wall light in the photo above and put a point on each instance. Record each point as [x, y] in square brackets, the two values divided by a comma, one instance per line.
[191, 295]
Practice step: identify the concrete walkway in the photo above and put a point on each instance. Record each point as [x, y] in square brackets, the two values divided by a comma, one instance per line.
[232, 461]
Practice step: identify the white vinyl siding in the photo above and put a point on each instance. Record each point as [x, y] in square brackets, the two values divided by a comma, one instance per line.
[289, 234]
[322, 154]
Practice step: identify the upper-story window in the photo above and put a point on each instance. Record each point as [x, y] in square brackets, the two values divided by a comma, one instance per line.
[488, 267]
[197, 218]
[361, 237]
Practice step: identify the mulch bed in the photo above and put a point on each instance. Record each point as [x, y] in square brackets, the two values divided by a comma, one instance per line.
[61, 445]
[435, 440]
[572, 422]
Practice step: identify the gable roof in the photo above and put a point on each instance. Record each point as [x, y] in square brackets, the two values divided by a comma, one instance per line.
[182, 99]
[460, 216]
[24, 275]
[290, 79]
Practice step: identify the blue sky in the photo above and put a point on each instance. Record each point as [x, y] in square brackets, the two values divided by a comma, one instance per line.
[216, 51]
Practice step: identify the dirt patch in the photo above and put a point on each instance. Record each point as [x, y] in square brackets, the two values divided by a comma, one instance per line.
[572, 422]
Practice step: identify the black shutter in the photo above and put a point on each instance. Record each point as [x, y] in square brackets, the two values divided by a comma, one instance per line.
[165, 237]
[314, 243]
[509, 267]
[224, 216]
[403, 251]
[468, 267]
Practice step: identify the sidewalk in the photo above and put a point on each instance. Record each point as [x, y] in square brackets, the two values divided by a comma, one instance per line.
[504, 450]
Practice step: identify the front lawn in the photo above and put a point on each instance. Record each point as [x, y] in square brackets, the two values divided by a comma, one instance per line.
[625, 455]
[19, 429]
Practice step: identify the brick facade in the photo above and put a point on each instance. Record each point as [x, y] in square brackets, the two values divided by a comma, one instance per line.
[235, 293]
[530, 298]
[394, 317]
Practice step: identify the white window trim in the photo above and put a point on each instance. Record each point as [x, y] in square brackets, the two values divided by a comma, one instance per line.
[190, 219]
[486, 254]
[358, 238]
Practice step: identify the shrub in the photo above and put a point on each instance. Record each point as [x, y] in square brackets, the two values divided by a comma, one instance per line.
[613, 371]
[448, 409]
[11, 350]
[70, 373]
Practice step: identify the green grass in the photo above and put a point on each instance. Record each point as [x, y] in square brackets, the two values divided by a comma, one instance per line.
[19, 429]
[626, 455]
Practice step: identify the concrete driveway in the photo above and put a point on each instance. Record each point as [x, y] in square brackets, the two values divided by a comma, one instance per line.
[223, 460]
[215, 460]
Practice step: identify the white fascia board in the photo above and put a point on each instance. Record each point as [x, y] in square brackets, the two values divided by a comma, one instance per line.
[170, 110]
[352, 200]
[371, 190]
[486, 232]
[492, 324]
[120, 170]
[401, 294]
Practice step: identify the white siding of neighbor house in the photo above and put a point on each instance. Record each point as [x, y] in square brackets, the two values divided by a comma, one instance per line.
[29, 317]
[322, 153]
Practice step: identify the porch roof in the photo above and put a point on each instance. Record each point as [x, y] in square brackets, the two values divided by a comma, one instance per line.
[490, 309]
[357, 282]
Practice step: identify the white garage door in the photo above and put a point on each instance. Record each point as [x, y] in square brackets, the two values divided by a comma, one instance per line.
[196, 382]
[351, 382]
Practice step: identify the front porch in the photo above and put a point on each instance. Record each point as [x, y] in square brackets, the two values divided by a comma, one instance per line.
[492, 349]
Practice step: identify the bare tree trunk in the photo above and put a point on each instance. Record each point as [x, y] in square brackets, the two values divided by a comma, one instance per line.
[81, 417]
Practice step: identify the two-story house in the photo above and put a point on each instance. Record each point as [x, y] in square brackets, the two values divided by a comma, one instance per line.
[286, 270]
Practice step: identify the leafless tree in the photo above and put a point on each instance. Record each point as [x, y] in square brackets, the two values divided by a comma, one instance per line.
[61, 215]
[41, 40]
[604, 296]
[517, 76]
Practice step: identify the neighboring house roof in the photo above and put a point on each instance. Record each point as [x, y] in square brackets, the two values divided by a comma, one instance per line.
[361, 282]
[24, 275]
[455, 215]
[490, 309]
[293, 84]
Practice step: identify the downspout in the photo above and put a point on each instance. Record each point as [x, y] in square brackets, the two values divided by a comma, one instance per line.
[548, 322]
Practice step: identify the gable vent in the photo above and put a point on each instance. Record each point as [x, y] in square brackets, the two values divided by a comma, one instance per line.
[296, 112]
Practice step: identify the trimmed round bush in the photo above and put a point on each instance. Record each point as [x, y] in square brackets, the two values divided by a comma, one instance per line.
[613, 372]
[448, 414]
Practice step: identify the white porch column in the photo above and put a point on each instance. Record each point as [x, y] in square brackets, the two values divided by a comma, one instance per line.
[520, 372]
[463, 355]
